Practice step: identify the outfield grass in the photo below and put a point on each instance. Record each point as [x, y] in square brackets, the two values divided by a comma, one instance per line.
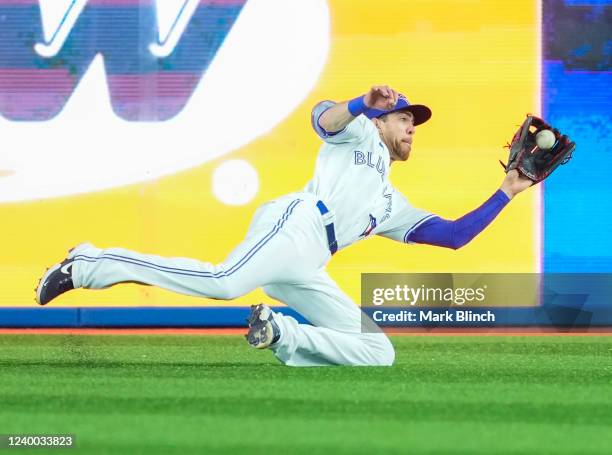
[202, 394]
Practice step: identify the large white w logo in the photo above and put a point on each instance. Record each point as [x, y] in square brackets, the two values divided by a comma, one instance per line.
[108, 131]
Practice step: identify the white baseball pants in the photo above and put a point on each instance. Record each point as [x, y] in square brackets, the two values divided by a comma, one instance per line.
[285, 252]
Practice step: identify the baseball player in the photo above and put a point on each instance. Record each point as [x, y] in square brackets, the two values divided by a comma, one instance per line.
[291, 239]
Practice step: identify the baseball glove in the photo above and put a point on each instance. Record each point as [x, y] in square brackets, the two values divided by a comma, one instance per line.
[530, 160]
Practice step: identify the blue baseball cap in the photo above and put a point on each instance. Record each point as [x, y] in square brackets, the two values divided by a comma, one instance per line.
[421, 113]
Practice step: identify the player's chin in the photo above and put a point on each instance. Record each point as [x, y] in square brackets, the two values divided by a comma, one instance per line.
[405, 149]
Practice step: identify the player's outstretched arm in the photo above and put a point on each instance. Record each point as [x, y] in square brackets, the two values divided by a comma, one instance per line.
[339, 115]
[455, 234]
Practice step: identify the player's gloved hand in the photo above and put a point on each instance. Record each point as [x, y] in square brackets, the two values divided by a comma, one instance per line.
[534, 160]
[381, 97]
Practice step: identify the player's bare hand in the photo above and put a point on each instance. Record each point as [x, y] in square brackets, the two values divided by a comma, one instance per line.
[514, 183]
[381, 97]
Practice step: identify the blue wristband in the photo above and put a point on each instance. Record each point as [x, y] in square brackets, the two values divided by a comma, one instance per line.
[357, 106]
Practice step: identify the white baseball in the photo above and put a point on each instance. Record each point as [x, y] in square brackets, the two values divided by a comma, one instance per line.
[545, 139]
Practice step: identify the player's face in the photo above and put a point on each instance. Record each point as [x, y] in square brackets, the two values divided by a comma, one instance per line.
[397, 131]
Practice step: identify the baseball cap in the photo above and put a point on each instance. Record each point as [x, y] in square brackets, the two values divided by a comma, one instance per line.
[421, 113]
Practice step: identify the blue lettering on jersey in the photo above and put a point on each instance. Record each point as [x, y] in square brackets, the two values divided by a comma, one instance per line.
[361, 159]
[389, 206]
[380, 166]
[370, 164]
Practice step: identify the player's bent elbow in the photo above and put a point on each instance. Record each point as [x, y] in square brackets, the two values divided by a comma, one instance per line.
[325, 123]
[451, 245]
[456, 245]
[322, 122]
[458, 242]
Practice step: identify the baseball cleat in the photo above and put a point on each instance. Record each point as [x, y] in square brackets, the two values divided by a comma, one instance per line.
[57, 279]
[263, 330]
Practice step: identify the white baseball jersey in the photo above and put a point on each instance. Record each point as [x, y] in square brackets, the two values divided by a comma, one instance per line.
[352, 179]
[286, 250]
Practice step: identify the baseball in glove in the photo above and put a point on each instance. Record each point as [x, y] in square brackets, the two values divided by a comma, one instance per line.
[533, 161]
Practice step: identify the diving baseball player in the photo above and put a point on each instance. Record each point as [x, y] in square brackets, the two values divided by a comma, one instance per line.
[291, 239]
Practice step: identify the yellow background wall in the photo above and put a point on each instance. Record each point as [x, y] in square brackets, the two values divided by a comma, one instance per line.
[475, 63]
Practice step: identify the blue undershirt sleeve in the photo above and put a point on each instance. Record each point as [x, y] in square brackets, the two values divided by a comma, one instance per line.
[454, 234]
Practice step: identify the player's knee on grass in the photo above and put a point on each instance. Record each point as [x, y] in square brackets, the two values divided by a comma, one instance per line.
[384, 352]
[389, 356]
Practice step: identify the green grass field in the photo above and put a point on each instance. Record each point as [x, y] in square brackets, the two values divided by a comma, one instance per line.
[203, 394]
